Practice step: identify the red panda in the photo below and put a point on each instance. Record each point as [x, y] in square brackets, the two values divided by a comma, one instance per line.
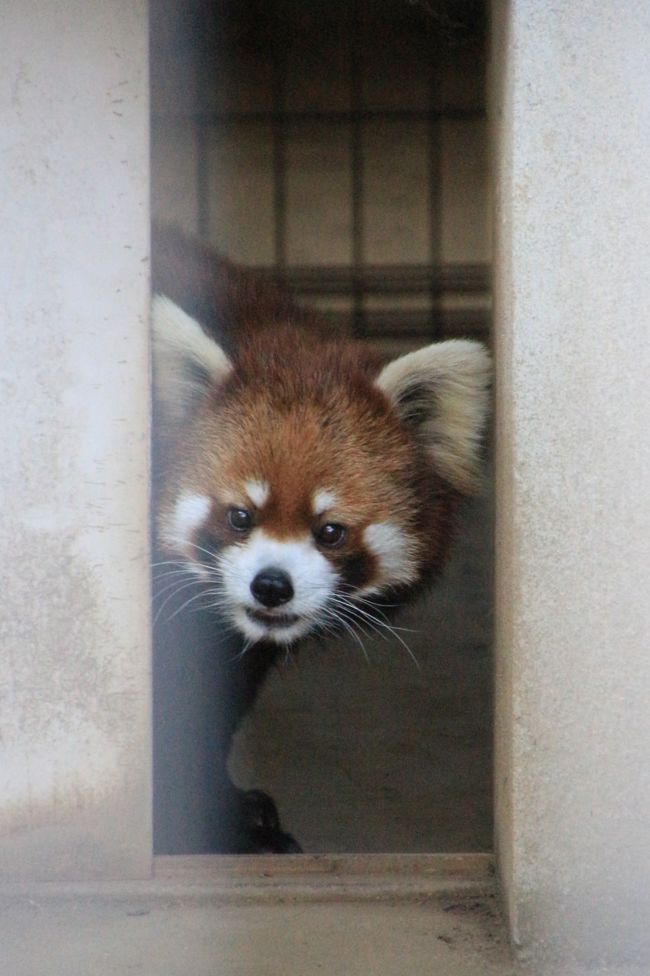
[304, 482]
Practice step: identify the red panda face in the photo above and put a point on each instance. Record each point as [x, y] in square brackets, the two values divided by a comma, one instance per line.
[297, 508]
[302, 491]
[281, 587]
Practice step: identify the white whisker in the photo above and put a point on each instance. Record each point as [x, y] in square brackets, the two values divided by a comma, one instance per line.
[353, 633]
[364, 616]
[170, 596]
[197, 596]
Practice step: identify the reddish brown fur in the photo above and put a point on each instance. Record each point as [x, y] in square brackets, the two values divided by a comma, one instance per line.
[228, 301]
[299, 412]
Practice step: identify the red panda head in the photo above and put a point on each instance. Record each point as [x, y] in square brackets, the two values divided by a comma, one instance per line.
[306, 482]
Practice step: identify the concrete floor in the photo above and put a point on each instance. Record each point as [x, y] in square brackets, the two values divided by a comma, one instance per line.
[367, 751]
[107, 939]
[139, 929]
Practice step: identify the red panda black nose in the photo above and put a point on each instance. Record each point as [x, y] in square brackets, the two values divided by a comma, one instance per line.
[272, 587]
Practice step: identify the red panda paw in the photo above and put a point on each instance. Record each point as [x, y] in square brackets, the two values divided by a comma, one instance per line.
[260, 826]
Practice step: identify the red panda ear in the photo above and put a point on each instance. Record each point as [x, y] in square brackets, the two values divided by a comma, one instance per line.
[186, 360]
[442, 392]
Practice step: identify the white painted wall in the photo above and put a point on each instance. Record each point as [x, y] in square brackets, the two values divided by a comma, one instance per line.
[572, 119]
[74, 294]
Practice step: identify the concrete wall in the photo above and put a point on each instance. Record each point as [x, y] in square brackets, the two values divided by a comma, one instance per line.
[572, 120]
[74, 713]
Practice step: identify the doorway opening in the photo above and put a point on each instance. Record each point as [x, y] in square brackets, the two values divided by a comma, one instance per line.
[341, 148]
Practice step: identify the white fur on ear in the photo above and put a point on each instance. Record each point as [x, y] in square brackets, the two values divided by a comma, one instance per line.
[442, 390]
[186, 360]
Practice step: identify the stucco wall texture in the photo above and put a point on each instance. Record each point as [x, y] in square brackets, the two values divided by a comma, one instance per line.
[75, 687]
[572, 120]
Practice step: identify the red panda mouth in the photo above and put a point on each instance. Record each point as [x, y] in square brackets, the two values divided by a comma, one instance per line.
[272, 619]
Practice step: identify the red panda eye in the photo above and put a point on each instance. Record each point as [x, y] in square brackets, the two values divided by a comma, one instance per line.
[331, 535]
[240, 519]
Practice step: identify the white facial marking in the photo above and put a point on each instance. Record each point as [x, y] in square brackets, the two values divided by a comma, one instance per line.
[312, 577]
[189, 513]
[322, 501]
[395, 551]
[258, 492]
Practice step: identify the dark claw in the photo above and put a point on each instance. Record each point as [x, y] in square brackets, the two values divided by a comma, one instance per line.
[261, 810]
[261, 826]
